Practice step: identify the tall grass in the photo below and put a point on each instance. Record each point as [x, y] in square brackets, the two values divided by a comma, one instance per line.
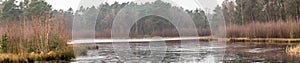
[36, 40]
[278, 29]
[35, 36]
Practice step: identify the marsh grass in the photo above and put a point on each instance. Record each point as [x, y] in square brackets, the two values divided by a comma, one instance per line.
[36, 40]
[278, 29]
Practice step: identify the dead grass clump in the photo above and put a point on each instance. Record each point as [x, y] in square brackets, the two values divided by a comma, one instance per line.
[294, 51]
[12, 58]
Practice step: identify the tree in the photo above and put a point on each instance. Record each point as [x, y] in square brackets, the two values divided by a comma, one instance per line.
[10, 10]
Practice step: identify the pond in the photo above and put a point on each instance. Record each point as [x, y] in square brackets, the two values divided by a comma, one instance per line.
[237, 52]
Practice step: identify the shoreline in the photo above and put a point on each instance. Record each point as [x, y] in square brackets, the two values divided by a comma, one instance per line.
[203, 38]
[275, 40]
[51, 56]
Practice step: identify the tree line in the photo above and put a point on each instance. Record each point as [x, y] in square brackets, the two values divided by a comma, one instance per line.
[247, 11]
[145, 26]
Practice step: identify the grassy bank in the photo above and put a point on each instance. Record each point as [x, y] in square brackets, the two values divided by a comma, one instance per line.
[66, 55]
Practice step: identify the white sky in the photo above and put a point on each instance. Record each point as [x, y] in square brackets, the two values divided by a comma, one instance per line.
[66, 4]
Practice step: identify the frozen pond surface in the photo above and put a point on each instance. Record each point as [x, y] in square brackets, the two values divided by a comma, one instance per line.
[242, 52]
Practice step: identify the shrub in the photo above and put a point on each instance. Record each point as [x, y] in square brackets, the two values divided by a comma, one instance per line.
[3, 42]
[30, 49]
[293, 34]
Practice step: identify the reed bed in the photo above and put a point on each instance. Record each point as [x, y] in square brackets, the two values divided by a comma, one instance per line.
[278, 29]
[34, 39]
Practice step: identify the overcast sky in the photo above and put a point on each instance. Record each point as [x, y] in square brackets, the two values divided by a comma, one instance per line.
[65, 4]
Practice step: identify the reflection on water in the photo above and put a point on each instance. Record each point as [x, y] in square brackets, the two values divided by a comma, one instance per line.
[235, 53]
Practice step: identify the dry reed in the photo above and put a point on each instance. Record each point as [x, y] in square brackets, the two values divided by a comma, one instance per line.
[272, 29]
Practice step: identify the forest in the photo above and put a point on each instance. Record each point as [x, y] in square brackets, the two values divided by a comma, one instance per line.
[244, 18]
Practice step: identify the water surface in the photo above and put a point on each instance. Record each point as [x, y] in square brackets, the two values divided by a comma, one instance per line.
[238, 52]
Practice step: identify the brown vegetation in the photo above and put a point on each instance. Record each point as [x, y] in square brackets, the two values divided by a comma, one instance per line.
[271, 29]
[31, 57]
[294, 51]
[174, 32]
[163, 33]
[36, 40]
[35, 36]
